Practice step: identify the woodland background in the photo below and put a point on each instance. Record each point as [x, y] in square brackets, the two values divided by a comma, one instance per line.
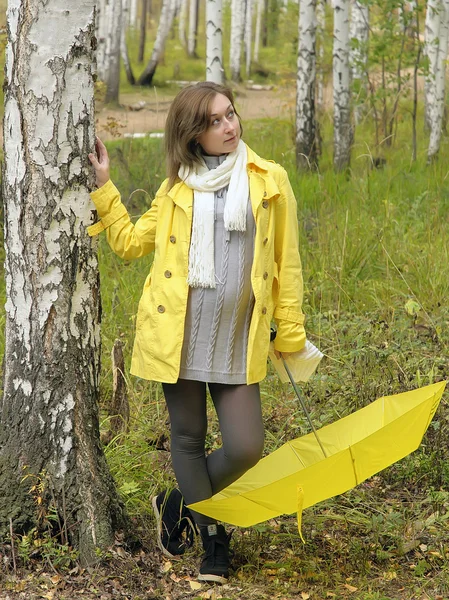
[374, 243]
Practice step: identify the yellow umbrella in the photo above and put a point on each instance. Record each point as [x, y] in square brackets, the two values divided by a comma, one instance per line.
[298, 475]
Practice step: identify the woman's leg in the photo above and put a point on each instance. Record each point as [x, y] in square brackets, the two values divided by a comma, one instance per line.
[240, 416]
[186, 403]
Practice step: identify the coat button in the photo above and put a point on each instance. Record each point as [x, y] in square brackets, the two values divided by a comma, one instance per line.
[265, 203]
[265, 241]
[167, 274]
[160, 308]
[265, 275]
[172, 239]
[264, 311]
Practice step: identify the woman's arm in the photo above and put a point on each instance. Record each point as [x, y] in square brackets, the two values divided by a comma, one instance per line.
[126, 239]
[291, 336]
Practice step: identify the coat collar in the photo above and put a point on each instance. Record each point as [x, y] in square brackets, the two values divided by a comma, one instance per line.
[262, 186]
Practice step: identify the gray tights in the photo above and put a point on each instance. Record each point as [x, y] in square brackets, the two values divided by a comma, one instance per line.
[240, 417]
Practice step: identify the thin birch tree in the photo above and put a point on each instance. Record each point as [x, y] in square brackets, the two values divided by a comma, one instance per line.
[259, 8]
[192, 37]
[237, 25]
[143, 30]
[113, 51]
[436, 45]
[123, 44]
[248, 35]
[214, 41]
[359, 32]
[321, 28]
[49, 429]
[165, 23]
[343, 132]
[306, 127]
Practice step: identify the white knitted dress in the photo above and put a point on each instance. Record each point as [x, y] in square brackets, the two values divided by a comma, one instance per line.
[217, 320]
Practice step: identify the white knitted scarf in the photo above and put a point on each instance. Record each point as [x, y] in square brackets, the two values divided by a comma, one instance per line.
[205, 183]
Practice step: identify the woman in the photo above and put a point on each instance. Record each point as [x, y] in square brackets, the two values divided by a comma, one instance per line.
[223, 227]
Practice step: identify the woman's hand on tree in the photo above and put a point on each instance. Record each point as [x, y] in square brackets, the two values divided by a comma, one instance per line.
[100, 162]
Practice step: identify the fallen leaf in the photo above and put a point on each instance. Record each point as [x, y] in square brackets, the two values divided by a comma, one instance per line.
[166, 567]
[423, 547]
[195, 585]
[305, 596]
[175, 578]
[350, 588]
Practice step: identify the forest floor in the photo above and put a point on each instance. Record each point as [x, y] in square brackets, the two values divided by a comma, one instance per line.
[145, 111]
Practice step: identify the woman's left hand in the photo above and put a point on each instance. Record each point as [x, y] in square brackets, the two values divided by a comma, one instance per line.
[283, 355]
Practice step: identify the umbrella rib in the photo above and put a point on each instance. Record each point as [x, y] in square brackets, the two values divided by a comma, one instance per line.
[353, 465]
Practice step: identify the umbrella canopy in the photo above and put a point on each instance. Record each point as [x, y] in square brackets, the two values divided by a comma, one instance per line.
[297, 475]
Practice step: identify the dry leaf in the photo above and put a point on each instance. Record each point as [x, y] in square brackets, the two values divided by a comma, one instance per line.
[166, 567]
[175, 578]
[305, 596]
[195, 585]
[350, 588]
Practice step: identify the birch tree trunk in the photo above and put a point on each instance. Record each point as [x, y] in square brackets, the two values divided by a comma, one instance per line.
[341, 81]
[123, 44]
[165, 23]
[321, 28]
[49, 429]
[101, 34]
[237, 23]
[259, 8]
[182, 33]
[306, 130]
[113, 48]
[132, 21]
[143, 30]
[248, 35]
[214, 41]
[359, 31]
[436, 48]
[193, 29]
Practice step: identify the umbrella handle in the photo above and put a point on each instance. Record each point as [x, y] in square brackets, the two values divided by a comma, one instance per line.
[303, 405]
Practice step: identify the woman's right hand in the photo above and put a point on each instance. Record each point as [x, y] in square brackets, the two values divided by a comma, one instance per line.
[100, 162]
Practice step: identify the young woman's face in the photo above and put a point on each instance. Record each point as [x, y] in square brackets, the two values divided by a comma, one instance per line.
[223, 134]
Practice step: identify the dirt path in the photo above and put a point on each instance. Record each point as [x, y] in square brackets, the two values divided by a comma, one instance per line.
[251, 104]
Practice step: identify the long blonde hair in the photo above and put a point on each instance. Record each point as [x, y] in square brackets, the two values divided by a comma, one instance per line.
[187, 119]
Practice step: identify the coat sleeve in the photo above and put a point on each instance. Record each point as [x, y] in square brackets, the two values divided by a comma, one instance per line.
[126, 239]
[288, 315]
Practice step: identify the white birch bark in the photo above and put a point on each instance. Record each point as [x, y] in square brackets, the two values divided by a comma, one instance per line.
[123, 43]
[214, 41]
[341, 82]
[193, 29]
[182, 22]
[437, 36]
[132, 20]
[48, 410]
[237, 24]
[248, 35]
[259, 8]
[165, 23]
[321, 28]
[306, 131]
[359, 32]
[113, 47]
[101, 34]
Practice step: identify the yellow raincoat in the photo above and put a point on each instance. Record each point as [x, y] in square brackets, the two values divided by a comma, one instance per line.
[276, 275]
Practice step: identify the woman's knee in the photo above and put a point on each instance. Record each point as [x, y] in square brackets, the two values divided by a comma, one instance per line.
[245, 454]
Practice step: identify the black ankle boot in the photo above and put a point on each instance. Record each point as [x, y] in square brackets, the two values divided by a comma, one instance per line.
[215, 564]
